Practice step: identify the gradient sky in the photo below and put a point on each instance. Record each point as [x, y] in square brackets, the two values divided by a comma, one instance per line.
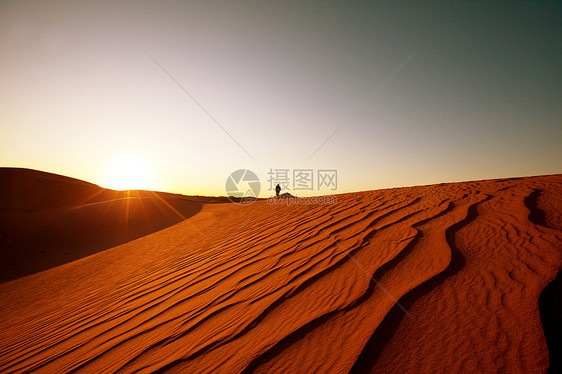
[446, 90]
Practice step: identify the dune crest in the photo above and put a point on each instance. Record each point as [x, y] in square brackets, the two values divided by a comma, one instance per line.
[421, 279]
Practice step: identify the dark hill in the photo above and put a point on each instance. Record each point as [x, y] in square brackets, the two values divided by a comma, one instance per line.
[47, 219]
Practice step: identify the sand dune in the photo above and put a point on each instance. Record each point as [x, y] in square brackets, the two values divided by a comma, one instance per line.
[48, 219]
[440, 278]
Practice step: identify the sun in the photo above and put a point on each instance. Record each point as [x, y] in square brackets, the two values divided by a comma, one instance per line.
[129, 174]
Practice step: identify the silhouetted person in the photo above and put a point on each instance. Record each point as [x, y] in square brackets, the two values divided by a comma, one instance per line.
[277, 190]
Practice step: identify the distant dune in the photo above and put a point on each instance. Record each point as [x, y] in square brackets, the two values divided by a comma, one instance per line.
[48, 219]
[441, 278]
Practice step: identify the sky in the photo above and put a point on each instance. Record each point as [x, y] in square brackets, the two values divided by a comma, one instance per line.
[176, 95]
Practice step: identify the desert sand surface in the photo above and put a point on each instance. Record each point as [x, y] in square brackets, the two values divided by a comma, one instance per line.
[433, 279]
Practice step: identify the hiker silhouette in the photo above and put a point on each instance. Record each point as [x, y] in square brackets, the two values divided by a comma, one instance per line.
[277, 190]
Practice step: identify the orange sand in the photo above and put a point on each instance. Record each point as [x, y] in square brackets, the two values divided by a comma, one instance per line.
[307, 288]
